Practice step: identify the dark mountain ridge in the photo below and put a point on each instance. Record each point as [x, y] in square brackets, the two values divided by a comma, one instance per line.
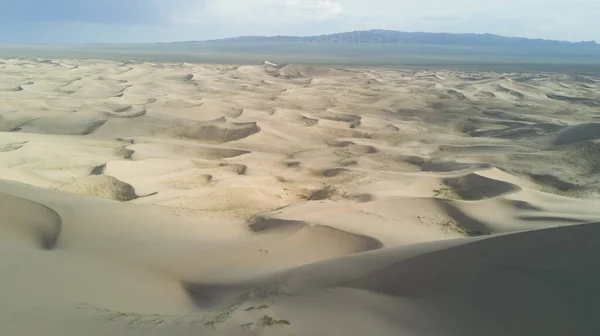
[399, 37]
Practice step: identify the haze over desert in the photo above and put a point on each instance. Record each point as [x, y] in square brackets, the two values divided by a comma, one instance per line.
[146, 198]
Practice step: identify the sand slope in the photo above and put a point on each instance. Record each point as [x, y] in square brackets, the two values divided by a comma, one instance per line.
[168, 199]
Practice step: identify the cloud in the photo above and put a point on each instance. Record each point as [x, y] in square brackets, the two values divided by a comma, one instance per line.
[274, 12]
[321, 8]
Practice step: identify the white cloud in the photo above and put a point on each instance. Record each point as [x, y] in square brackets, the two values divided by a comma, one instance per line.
[274, 12]
[322, 8]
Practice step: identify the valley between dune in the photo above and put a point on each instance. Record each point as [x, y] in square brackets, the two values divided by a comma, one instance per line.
[192, 199]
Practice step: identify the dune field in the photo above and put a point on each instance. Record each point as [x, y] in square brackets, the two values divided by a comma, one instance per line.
[191, 199]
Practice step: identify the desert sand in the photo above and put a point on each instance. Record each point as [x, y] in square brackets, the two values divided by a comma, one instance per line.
[190, 199]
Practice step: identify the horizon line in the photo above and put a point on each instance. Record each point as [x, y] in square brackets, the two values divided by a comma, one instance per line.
[314, 35]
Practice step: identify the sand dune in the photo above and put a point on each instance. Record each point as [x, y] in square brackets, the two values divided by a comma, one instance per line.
[187, 199]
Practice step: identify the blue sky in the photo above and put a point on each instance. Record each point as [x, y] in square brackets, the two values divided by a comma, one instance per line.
[80, 21]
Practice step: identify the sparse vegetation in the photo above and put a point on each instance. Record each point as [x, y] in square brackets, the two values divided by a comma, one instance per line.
[246, 325]
[450, 225]
[190, 181]
[322, 194]
[453, 226]
[210, 320]
[124, 152]
[257, 308]
[269, 321]
[447, 193]
[101, 186]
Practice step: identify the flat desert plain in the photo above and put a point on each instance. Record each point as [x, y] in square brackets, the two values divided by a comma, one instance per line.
[190, 199]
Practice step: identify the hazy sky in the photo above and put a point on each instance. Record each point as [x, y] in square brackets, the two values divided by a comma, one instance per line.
[72, 21]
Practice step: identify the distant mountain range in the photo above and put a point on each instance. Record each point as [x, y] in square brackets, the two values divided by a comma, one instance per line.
[399, 37]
